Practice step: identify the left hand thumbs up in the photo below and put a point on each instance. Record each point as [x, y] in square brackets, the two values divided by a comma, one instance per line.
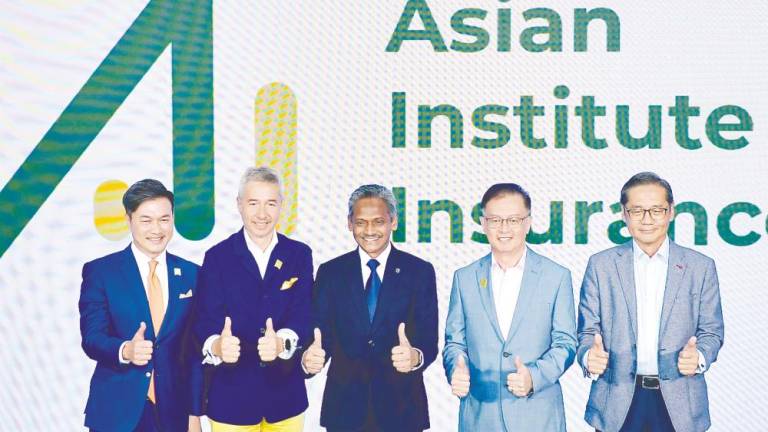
[269, 345]
[688, 359]
[520, 382]
[404, 357]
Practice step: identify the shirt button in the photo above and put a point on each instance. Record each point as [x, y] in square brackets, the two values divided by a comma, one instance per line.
[148, 374]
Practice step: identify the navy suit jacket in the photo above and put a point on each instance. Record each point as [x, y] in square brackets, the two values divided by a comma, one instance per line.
[230, 285]
[361, 374]
[112, 304]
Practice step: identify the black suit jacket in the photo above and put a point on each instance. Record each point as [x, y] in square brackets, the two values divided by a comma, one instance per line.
[361, 375]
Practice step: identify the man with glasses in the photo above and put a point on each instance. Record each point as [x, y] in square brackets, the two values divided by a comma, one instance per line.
[511, 327]
[650, 322]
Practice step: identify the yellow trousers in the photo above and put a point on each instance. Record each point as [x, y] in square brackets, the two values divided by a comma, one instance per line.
[293, 424]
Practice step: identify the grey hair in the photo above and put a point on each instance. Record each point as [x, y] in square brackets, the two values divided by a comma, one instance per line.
[373, 191]
[260, 174]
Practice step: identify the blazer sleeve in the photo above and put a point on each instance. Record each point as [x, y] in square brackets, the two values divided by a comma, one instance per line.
[97, 340]
[711, 329]
[455, 331]
[424, 317]
[589, 313]
[559, 357]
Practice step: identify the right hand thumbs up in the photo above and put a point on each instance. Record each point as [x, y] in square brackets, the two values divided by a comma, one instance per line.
[138, 350]
[460, 378]
[314, 358]
[227, 346]
[597, 357]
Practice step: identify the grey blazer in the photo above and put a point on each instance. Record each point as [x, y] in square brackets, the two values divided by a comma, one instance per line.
[691, 307]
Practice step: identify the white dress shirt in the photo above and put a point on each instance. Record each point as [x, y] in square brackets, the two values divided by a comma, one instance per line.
[142, 261]
[650, 282]
[262, 261]
[506, 288]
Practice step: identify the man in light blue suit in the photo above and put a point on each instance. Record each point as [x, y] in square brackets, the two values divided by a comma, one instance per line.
[511, 327]
[650, 322]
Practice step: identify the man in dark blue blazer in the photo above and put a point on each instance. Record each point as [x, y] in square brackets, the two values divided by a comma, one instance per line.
[250, 284]
[376, 315]
[134, 309]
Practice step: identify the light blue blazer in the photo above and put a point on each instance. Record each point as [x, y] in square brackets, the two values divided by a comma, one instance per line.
[542, 333]
[691, 307]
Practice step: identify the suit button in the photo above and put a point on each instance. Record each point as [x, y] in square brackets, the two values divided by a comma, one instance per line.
[148, 374]
[506, 354]
[371, 343]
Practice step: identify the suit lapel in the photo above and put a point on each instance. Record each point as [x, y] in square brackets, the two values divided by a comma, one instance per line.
[625, 267]
[355, 291]
[244, 256]
[281, 253]
[675, 271]
[135, 290]
[531, 275]
[174, 290]
[483, 274]
[389, 287]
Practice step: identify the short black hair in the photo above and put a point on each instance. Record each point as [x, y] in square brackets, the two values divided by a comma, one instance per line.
[144, 190]
[645, 178]
[501, 189]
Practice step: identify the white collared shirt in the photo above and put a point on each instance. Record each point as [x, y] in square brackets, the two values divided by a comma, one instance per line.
[382, 259]
[650, 282]
[261, 256]
[506, 289]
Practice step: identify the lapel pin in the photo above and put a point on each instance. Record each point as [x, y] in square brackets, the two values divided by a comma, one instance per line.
[483, 282]
[278, 264]
[176, 271]
[397, 270]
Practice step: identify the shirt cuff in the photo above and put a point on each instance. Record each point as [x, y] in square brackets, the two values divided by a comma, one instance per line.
[124, 361]
[702, 363]
[208, 356]
[292, 342]
[421, 359]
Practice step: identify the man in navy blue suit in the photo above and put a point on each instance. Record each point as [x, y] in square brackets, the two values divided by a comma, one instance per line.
[134, 309]
[376, 314]
[250, 284]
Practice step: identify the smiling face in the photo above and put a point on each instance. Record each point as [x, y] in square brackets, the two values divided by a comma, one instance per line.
[372, 225]
[505, 239]
[259, 204]
[648, 232]
[151, 226]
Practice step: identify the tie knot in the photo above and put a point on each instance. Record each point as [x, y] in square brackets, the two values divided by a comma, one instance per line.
[373, 264]
[152, 266]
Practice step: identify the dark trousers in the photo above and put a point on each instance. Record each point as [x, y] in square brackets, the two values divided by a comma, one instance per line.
[647, 412]
[149, 421]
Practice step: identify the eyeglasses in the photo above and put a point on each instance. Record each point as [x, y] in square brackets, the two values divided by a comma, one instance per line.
[637, 214]
[494, 222]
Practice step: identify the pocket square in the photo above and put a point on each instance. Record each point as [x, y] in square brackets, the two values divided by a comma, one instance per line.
[289, 283]
[187, 294]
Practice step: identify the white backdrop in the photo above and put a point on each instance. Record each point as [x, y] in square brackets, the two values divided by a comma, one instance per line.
[332, 55]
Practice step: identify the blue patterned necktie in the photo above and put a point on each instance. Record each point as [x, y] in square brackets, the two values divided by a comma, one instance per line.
[372, 289]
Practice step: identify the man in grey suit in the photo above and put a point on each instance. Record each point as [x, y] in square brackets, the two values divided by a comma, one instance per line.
[650, 322]
[511, 327]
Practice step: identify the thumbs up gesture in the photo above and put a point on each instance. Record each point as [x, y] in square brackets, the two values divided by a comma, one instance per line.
[137, 350]
[404, 357]
[226, 346]
[270, 345]
[688, 359]
[460, 378]
[520, 382]
[314, 357]
[597, 357]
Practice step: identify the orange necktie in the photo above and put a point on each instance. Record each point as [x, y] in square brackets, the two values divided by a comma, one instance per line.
[156, 312]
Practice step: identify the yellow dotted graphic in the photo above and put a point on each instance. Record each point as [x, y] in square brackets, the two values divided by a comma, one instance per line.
[108, 211]
[275, 127]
